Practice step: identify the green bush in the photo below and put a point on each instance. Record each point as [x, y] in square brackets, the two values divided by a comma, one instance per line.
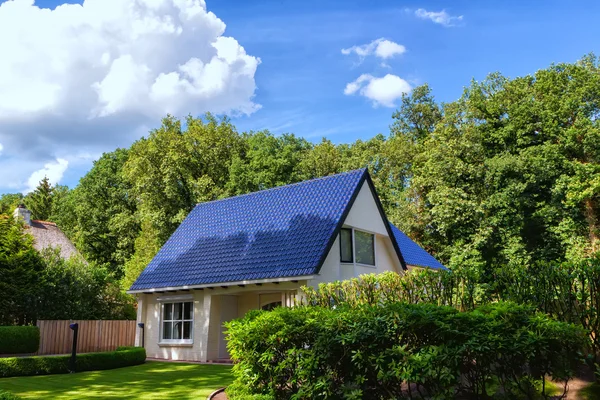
[19, 339]
[240, 391]
[568, 292]
[8, 396]
[46, 365]
[375, 351]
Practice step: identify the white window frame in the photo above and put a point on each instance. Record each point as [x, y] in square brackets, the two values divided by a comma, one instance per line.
[161, 340]
[354, 262]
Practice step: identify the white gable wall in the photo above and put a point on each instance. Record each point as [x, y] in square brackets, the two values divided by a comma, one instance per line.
[364, 215]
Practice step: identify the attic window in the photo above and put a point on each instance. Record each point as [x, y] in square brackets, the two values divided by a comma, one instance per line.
[357, 246]
[346, 251]
[365, 247]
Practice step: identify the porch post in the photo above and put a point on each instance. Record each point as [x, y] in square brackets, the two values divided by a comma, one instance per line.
[288, 298]
[140, 318]
[205, 320]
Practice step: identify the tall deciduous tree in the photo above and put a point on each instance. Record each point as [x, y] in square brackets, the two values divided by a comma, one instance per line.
[266, 161]
[99, 214]
[509, 174]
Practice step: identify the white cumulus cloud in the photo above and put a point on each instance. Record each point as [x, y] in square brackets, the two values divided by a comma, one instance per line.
[86, 77]
[439, 17]
[381, 48]
[53, 171]
[382, 91]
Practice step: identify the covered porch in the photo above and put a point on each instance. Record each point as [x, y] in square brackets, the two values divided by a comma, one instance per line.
[224, 305]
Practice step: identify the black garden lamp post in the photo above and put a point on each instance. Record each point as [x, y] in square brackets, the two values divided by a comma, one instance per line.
[75, 328]
[141, 326]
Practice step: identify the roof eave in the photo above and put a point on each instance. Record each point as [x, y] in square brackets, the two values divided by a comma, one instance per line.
[220, 284]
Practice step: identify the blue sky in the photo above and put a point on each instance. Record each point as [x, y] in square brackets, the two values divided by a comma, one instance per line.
[300, 81]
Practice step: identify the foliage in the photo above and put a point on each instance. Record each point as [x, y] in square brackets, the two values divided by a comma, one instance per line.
[158, 380]
[10, 201]
[21, 268]
[568, 292]
[400, 351]
[45, 286]
[99, 214]
[39, 202]
[509, 173]
[266, 161]
[19, 339]
[240, 391]
[46, 365]
[8, 396]
[73, 289]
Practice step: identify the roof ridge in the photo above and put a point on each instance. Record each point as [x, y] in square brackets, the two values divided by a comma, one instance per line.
[39, 221]
[282, 186]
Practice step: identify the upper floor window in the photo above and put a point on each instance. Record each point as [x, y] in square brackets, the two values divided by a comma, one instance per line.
[365, 247]
[346, 250]
[357, 246]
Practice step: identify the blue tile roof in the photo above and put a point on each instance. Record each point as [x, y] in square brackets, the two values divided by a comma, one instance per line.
[413, 253]
[274, 233]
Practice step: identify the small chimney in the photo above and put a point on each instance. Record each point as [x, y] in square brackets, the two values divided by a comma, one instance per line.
[23, 213]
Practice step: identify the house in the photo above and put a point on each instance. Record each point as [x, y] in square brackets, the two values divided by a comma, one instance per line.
[255, 251]
[46, 234]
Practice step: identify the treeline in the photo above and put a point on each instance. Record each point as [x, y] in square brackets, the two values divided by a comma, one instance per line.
[43, 285]
[507, 175]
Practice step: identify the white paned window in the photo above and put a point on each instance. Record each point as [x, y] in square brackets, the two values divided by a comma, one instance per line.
[365, 247]
[357, 247]
[177, 322]
[346, 252]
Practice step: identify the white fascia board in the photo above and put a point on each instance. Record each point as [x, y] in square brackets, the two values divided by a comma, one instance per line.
[212, 285]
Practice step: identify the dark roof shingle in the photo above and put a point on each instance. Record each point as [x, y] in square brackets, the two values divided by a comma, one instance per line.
[413, 253]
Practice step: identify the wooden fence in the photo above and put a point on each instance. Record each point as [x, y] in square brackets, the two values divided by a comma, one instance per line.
[56, 337]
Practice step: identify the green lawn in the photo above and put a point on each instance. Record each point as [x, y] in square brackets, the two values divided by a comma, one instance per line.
[152, 380]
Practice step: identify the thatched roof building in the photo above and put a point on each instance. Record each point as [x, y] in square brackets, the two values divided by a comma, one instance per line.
[46, 234]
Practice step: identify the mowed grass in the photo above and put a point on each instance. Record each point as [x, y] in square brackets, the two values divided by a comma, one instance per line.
[152, 380]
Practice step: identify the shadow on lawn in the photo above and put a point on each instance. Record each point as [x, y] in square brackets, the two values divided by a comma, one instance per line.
[152, 380]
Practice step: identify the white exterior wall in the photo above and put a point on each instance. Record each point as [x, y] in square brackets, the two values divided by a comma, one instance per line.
[364, 215]
[151, 306]
[210, 310]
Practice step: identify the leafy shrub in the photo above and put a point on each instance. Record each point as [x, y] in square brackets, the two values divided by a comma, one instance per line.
[240, 391]
[568, 292]
[398, 350]
[46, 365]
[19, 339]
[8, 396]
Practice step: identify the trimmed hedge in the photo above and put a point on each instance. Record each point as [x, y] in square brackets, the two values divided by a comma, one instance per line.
[46, 365]
[379, 352]
[19, 339]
